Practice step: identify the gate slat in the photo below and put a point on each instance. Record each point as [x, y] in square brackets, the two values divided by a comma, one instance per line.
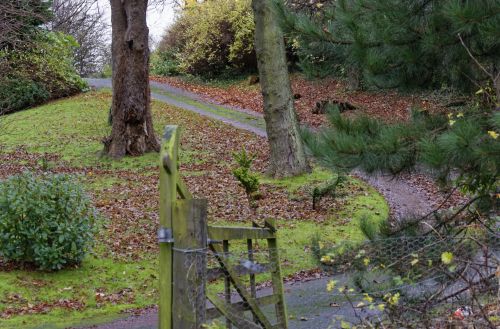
[240, 288]
[277, 277]
[217, 273]
[239, 233]
[230, 313]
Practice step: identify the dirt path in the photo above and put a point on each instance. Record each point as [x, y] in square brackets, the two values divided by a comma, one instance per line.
[309, 306]
[239, 118]
[403, 198]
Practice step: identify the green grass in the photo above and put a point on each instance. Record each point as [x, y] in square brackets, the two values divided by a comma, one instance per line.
[295, 183]
[73, 128]
[79, 284]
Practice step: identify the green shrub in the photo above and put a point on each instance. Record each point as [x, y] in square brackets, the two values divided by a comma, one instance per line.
[164, 63]
[50, 63]
[212, 37]
[39, 71]
[107, 71]
[16, 95]
[46, 220]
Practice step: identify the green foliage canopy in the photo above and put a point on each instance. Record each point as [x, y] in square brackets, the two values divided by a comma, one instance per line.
[212, 37]
[38, 71]
[21, 20]
[396, 43]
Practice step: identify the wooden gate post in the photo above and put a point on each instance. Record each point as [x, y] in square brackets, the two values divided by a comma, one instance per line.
[171, 188]
[168, 195]
[190, 264]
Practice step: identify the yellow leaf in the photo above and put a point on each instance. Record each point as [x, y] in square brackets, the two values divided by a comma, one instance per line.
[345, 325]
[331, 285]
[394, 299]
[493, 134]
[414, 262]
[446, 257]
[325, 259]
[366, 261]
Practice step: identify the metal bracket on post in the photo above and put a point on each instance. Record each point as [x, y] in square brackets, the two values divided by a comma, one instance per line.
[165, 235]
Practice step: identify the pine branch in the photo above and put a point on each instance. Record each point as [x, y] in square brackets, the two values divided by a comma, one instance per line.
[475, 59]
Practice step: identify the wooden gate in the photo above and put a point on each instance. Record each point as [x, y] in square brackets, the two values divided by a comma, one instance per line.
[195, 260]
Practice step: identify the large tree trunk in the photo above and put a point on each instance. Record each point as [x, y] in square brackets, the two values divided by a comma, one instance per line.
[287, 150]
[132, 132]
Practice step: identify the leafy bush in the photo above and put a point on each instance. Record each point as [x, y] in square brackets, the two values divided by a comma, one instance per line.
[47, 221]
[16, 95]
[39, 71]
[211, 37]
[164, 63]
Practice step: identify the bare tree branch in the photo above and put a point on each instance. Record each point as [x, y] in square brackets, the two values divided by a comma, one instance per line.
[84, 20]
[18, 18]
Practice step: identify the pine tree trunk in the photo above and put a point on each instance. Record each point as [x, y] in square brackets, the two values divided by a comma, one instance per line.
[132, 130]
[287, 150]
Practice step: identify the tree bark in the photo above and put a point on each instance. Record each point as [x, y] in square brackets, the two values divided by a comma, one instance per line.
[287, 150]
[132, 129]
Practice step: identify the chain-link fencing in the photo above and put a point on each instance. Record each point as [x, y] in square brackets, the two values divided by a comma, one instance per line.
[404, 282]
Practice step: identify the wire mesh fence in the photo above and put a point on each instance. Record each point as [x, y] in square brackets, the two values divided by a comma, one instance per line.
[232, 296]
[405, 282]
[426, 281]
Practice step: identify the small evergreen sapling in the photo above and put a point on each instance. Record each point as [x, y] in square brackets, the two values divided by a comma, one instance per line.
[244, 175]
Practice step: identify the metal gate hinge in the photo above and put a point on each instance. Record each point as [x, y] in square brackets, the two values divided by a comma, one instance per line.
[165, 235]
